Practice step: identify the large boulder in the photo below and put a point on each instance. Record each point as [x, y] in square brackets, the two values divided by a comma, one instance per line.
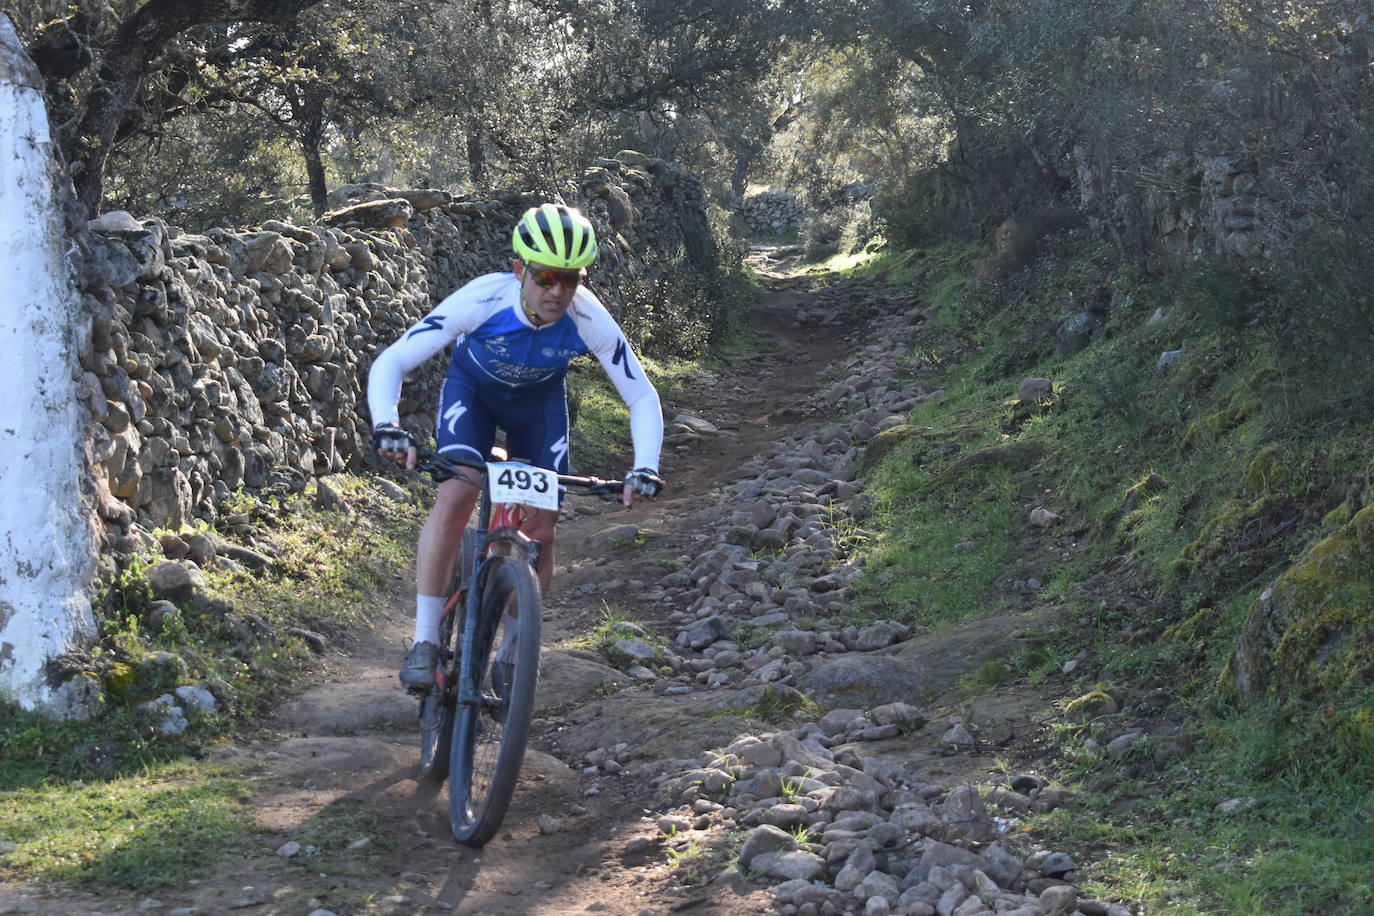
[863, 681]
[572, 677]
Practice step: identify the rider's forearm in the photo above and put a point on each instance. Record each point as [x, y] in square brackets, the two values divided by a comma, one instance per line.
[384, 387]
[646, 428]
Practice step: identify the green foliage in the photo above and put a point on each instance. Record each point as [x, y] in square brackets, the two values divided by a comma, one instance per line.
[1308, 646]
[989, 674]
[612, 625]
[1311, 300]
[365, 91]
[232, 640]
[114, 801]
[599, 419]
[841, 227]
[1290, 848]
[778, 706]
[923, 207]
[38, 752]
[699, 858]
[772, 706]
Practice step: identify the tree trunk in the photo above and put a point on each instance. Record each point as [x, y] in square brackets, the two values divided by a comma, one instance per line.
[120, 76]
[477, 155]
[47, 551]
[739, 179]
[312, 137]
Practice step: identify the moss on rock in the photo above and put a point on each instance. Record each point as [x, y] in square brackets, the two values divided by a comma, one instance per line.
[883, 444]
[1091, 705]
[1240, 540]
[1267, 472]
[1313, 630]
[1016, 455]
[1217, 425]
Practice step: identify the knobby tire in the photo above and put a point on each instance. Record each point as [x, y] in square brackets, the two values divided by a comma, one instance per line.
[436, 709]
[489, 738]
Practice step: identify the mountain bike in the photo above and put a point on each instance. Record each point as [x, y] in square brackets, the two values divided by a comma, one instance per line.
[474, 722]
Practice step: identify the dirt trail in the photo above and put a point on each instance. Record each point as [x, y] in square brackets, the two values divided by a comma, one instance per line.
[340, 772]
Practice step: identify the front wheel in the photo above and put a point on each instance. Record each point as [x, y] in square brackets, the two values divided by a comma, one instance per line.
[490, 735]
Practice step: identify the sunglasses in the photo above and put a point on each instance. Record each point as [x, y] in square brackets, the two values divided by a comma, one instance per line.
[547, 277]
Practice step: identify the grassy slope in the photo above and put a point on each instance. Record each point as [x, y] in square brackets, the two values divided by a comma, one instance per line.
[1184, 492]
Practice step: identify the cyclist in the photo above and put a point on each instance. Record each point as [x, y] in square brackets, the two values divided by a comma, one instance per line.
[514, 334]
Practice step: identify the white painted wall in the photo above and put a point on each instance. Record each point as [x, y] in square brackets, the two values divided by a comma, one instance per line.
[46, 542]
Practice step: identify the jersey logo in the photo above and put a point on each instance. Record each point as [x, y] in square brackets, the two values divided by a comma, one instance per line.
[560, 452]
[622, 352]
[431, 323]
[498, 346]
[453, 415]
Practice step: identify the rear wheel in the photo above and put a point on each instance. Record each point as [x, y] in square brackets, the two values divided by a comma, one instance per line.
[490, 735]
[437, 707]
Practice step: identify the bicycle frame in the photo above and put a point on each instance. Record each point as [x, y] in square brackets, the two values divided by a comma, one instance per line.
[502, 537]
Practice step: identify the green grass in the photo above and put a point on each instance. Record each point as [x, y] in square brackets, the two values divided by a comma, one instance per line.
[612, 625]
[1164, 845]
[152, 829]
[937, 547]
[988, 675]
[842, 262]
[328, 834]
[915, 267]
[330, 563]
[328, 567]
[698, 859]
[772, 706]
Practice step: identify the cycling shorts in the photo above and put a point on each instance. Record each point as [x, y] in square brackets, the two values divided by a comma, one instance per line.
[535, 420]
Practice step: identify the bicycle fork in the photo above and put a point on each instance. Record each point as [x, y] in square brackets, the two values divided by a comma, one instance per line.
[468, 692]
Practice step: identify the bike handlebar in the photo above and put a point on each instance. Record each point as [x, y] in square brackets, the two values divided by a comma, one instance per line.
[442, 467]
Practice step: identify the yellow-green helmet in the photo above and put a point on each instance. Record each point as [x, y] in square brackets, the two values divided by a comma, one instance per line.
[555, 236]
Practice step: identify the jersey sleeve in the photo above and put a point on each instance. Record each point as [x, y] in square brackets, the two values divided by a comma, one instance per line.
[461, 312]
[604, 338]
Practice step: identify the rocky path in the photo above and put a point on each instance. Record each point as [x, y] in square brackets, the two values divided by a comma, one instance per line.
[733, 745]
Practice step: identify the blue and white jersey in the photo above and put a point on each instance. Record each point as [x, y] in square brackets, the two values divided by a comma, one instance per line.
[497, 345]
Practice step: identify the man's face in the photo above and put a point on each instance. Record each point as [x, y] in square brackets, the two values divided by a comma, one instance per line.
[545, 292]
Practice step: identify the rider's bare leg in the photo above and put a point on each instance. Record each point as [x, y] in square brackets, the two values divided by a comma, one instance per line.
[435, 559]
[443, 530]
[542, 526]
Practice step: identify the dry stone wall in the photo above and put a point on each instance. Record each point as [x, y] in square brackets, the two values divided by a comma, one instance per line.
[239, 359]
[772, 211]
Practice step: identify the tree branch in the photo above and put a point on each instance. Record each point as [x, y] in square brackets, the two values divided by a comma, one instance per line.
[132, 48]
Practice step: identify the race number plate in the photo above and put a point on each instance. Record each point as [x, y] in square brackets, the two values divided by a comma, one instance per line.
[510, 482]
